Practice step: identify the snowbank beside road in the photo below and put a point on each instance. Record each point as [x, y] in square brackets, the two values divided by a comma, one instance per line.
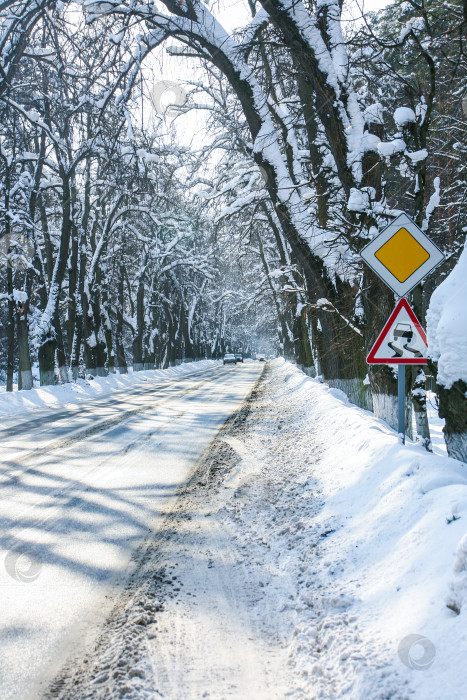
[87, 389]
[447, 325]
[395, 555]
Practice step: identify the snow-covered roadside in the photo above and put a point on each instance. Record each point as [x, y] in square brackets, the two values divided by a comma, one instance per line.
[394, 558]
[311, 539]
[17, 402]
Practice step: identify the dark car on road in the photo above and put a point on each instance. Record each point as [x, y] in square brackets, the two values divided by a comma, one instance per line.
[230, 359]
[239, 357]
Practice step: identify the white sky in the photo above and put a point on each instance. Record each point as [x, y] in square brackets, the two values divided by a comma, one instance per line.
[233, 14]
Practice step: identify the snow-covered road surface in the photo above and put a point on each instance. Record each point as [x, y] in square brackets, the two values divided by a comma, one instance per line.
[305, 558]
[80, 489]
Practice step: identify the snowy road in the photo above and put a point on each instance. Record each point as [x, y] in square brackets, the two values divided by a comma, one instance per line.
[81, 487]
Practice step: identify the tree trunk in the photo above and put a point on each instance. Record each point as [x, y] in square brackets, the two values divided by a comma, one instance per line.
[89, 340]
[76, 345]
[138, 339]
[61, 357]
[188, 349]
[121, 359]
[110, 352]
[418, 396]
[100, 353]
[171, 340]
[10, 332]
[24, 371]
[72, 293]
[453, 408]
[303, 354]
[100, 348]
[47, 362]
[283, 330]
[157, 349]
[165, 361]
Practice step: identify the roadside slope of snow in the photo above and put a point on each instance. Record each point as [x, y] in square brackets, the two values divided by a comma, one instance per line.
[395, 555]
[17, 402]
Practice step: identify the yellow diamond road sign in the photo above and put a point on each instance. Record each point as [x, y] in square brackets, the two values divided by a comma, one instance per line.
[402, 255]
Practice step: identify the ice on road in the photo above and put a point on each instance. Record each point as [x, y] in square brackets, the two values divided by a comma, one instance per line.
[80, 490]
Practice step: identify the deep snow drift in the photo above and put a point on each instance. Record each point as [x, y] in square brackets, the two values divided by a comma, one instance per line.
[311, 538]
[447, 325]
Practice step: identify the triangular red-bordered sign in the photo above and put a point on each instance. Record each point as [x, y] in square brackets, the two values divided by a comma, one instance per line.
[402, 340]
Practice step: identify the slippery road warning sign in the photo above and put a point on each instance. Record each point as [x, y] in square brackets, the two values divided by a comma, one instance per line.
[402, 340]
[402, 255]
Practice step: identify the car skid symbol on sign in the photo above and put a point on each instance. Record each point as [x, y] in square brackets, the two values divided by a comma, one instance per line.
[402, 340]
[400, 332]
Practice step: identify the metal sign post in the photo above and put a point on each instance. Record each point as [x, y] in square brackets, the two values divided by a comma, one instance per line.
[401, 400]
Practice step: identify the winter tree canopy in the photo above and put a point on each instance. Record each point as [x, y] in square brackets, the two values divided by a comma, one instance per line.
[136, 234]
